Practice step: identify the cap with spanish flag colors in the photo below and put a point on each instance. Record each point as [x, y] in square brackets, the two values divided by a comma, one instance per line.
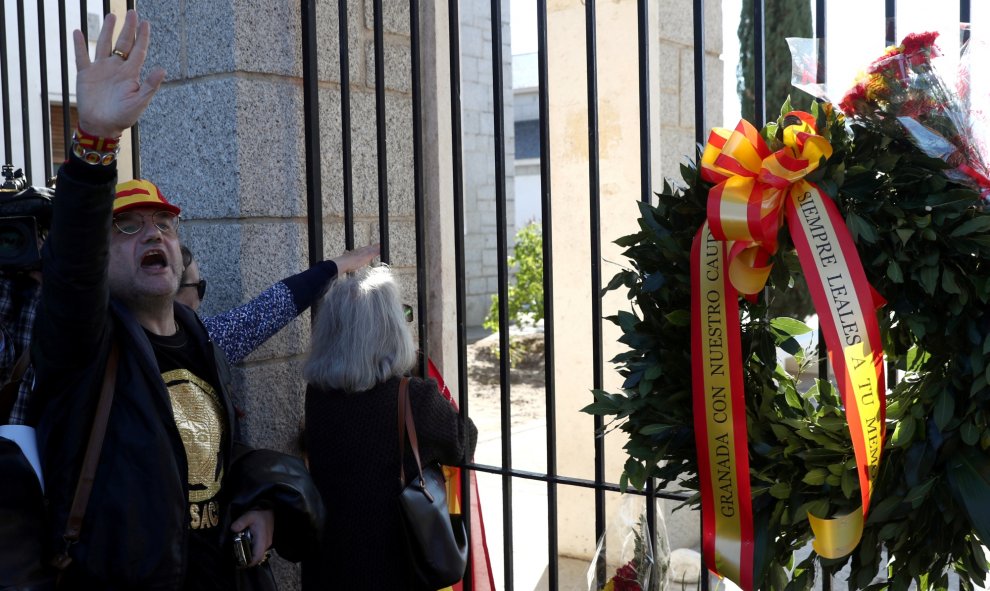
[140, 193]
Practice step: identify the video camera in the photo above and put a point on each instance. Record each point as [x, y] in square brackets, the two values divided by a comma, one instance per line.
[25, 217]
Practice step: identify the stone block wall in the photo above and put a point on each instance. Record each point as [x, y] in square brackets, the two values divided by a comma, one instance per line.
[677, 141]
[478, 136]
[677, 100]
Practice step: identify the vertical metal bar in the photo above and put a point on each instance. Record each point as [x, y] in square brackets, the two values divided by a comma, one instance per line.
[46, 123]
[345, 123]
[63, 45]
[890, 13]
[311, 127]
[453, 23]
[458, 182]
[700, 129]
[594, 198]
[84, 19]
[646, 182]
[704, 575]
[136, 150]
[106, 7]
[823, 370]
[964, 18]
[699, 137]
[890, 18]
[821, 28]
[382, 137]
[418, 199]
[759, 64]
[498, 88]
[549, 351]
[646, 164]
[8, 145]
[135, 134]
[25, 111]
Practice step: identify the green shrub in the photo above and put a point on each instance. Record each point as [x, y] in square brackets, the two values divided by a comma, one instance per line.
[526, 295]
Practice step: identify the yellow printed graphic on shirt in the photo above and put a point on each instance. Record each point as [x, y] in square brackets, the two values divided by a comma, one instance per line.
[199, 419]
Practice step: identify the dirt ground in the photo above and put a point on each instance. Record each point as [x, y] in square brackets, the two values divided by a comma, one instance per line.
[527, 383]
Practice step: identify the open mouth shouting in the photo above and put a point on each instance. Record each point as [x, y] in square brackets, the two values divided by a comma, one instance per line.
[154, 260]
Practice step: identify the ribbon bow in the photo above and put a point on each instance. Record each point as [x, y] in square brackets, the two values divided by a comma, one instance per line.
[746, 206]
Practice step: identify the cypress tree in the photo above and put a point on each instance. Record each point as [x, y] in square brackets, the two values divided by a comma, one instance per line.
[782, 19]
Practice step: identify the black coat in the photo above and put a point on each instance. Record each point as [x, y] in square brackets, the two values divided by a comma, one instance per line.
[353, 446]
[140, 483]
[136, 525]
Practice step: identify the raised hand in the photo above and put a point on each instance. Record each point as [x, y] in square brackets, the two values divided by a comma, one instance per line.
[352, 260]
[110, 95]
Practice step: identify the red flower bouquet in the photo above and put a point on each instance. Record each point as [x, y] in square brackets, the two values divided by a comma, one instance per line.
[903, 85]
[625, 579]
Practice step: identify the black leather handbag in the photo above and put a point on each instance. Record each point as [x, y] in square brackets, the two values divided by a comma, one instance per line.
[24, 530]
[26, 563]
[436, 543]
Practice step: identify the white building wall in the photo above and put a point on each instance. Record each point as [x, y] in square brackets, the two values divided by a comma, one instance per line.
[16, 107]
[529, 208]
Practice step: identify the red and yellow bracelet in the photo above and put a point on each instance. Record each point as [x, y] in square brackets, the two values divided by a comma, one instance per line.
[95, 150]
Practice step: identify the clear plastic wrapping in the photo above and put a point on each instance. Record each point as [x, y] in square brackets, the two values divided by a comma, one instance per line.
[910, 87]
[628, 559]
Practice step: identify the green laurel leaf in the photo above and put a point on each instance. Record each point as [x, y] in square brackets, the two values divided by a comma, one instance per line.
[945, 407]
[815, 477]
[903, 432]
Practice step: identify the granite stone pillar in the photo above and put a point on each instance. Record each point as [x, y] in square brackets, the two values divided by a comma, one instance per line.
[224, 139]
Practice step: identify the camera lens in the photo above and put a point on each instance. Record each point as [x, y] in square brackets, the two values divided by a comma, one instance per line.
[13, 241]
[19, 244]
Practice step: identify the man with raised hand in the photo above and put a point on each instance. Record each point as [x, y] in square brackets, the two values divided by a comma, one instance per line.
[172, 484]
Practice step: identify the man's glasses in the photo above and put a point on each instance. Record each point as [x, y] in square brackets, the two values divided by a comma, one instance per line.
[200, 288]
[132, 222]
[407, 311]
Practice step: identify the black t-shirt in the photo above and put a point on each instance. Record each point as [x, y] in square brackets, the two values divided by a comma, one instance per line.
[190, 378]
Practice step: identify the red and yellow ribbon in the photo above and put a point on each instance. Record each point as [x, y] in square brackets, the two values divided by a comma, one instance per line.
[720, 413]
[755, 191]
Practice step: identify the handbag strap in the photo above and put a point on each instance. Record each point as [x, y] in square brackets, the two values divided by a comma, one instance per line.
[8, 392]
[87, 475]
[406, 423]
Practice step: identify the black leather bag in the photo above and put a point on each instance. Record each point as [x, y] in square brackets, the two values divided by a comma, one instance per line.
[26, 562]
[24, 527]
[436, 543]
[23, 518]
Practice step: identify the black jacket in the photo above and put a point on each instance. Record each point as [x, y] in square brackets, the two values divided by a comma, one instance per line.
[136, 525]
[353, 445]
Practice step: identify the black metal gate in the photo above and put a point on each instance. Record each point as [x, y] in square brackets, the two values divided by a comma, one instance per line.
[56, 127]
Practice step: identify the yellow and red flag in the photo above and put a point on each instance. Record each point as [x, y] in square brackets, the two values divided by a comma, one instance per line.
[479, 562]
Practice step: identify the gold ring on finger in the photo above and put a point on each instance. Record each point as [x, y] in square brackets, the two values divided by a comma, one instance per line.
[121, 54]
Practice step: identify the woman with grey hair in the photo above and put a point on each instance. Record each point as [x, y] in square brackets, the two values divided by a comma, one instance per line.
[361, 348]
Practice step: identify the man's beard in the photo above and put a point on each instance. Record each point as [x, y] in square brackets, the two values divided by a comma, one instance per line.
[130, 293]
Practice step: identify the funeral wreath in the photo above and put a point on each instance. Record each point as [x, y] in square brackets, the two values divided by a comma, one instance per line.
[887, 226]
